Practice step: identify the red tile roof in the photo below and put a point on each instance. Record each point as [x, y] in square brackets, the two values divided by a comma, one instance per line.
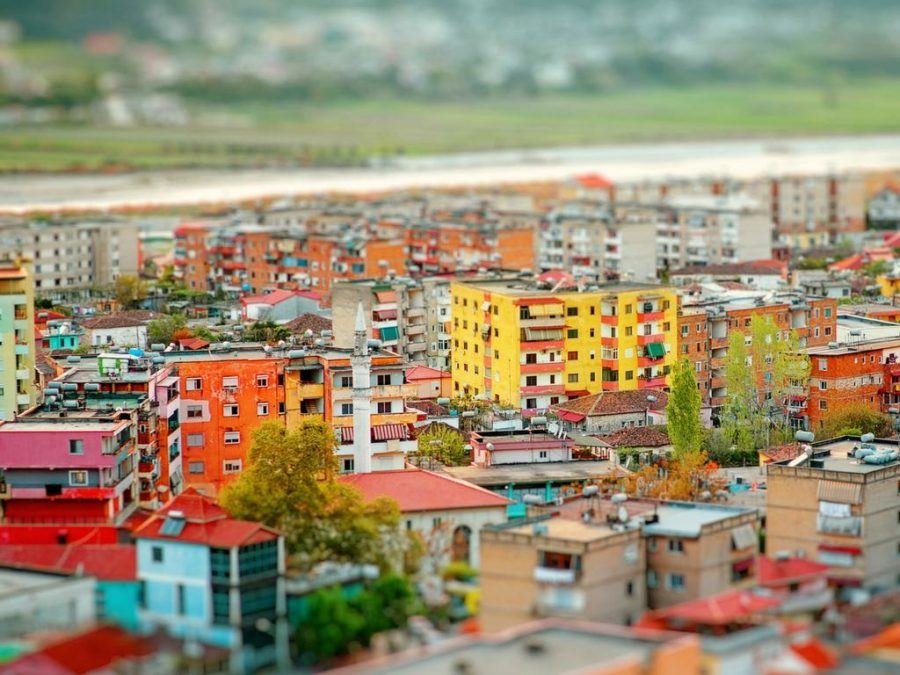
[420, 490]
[107, 562]
[616, 402]
[781, 453]
[137, 317]
[721, 609]
[95, 650]
[888, 639]
[192, 344]
[637, 437]
[816, 654]
[417, 373]
[594, 181]
[308, 321]
[781, 572]
[430, 408]
[272, 298]
[206, 523]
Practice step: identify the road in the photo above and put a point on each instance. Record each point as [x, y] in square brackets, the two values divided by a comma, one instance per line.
[24, 193]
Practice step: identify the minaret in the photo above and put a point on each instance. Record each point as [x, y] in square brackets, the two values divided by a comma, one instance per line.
[361, 363]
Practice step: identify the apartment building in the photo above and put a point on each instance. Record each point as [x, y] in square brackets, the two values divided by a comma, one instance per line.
[837, 504]
[600, 242]
[73, 255]
[17, 350]
[711, 230]
[438, 322]
[860, 371]
[559, 567]
[704, 330]
[525, 343]
[441, 245]
[695, 550]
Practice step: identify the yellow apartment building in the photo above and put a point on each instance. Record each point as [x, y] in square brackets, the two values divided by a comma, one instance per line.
[17, 352]
[530, 347]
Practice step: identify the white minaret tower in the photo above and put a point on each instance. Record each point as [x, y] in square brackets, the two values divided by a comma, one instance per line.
[361, 364]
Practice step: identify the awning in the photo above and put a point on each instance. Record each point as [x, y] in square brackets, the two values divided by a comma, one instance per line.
[386, 296]
[538, 334]
[545, 310]
[388, 432]
[655, 350]
[835, 548]
[389, 333]
[346, 435]
[742, 565]
[744, 537]
[569, 416]
[577, 393]
[838, 491]
[385, 314]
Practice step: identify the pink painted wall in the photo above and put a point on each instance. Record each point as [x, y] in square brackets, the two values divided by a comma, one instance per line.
[43, 449]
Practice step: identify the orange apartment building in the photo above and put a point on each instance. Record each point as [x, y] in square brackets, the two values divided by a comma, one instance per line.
[862, 372]
[225, 397]
[703, 332]
[437, 248]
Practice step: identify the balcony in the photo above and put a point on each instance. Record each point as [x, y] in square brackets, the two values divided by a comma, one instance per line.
[22, 374]
[21, 349]
[311, 390]
[648, 317]
[543, 389]
[717, 382]
[610, 385]
[718, 342]
[649, 339]
[654, 382]
[416, 329]
[648, 361]
[609, 319]
[534, 368]
[543, 322]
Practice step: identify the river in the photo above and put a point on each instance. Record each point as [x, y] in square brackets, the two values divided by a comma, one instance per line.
[739, 158]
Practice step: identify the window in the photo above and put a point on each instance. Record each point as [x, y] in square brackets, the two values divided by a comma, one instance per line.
[346, 381]
[651, 544]
[573, 378]
[346, 408]
[78, 478]
[231, 466]
[531, 358]
[572, 356]
[232, 437]
[531, 403]
[629, 331]
[676, 546]
[542, 454]
[195, 411]
[531, 380]
[262, 409]
[651, 579]
[195, 440]
[628, 309]
[572, 333]
[823, 364]
[347, 465]
[571, 311]
[179, 599]
[383, 379]
[230, 410]
[193, 384]
[684, 330]
[262, 380]
[823, 385]
[629, 374]
[281, 407]
[230, 382]
[823, 404]
[676, 582]
[629, 588]
[196, 467]
[828, 312]
[156, 553]
[435, 522]
[76, 446]
[384, 407]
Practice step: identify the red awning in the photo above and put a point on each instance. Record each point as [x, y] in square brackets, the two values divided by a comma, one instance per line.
[385, 314]
[387, 432]
[742, 565]
[569, 416]
[386, 296]
[346, 435]
[835, 548]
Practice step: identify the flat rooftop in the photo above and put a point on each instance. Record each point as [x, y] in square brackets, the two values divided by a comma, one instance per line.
[550, 650]
[687, 519]
[568, 529]
[523, 474]
[522, 287]
[851, 347]
[836, 456]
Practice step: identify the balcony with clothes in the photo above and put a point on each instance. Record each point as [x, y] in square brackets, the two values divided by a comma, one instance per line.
[652, 378]
[556, 568]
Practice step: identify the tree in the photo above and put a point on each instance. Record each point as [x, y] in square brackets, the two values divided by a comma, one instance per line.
[445, 445]
[683, 410]
[266, 331]
[290, 485]
[683, 477]
[876, 268]
[856, 419]
[763, 368]
[130, 291]
[167, 329]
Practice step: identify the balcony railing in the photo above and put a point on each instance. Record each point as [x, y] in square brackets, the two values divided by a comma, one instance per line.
[552, 575]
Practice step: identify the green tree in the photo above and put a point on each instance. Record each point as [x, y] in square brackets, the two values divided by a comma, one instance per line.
[856, 419]
[876, 268]
[738, 418]
[290, 485]
[266, 331]
[166, 329]
[129, 291]
[683, 410]
[445, 445]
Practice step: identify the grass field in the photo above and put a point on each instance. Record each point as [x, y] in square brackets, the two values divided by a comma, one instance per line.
[245, 134]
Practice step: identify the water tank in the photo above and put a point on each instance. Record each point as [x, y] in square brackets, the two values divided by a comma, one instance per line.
[50, 392]
[136, 351]
[73, 359]
[54, 385]
[867, 438]
[159, 358]
[539, 421]
[882, 457]
[157, 347]
[70, 404]
[443, 401]
[69, 386]
[92, 386]
[804, 436]
[296, 353]
[532, 499]
[619, 498]
[590, 491]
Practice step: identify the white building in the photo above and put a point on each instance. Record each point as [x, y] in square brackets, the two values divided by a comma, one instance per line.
[884, 208]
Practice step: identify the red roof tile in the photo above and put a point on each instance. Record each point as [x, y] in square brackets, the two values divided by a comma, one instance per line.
[637, 437]
[95, 650]
[417, 373]
[109, 562]
[616, 402]
[780, 572]
[781, 453]
[816, 654]
[594, 181]
[206, 523]
[272, 298]
[420, 490]
[308, 321]
[430, 408]
[724, 608]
